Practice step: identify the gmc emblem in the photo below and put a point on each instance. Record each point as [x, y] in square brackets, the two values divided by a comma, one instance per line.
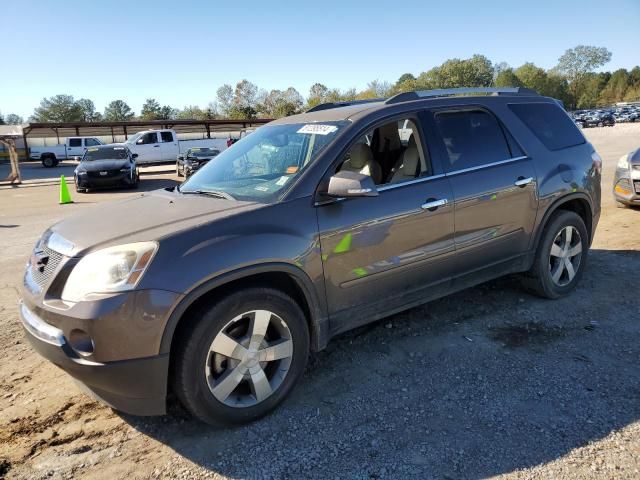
[39, 260]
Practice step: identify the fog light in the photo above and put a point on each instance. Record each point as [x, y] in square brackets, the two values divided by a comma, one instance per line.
[81, 342]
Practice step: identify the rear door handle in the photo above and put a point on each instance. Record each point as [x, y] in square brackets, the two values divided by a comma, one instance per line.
[522, 182]
[156, 146]
[432, 204]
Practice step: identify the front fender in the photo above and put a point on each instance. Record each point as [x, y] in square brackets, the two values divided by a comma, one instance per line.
[319, 326]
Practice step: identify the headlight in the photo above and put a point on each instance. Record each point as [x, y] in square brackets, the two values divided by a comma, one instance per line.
[623, 163]
[113, 269]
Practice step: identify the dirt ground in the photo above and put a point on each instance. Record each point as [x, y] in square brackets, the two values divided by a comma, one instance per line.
[490, 382]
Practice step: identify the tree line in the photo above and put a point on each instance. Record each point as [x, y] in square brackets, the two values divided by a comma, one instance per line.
[573, 80]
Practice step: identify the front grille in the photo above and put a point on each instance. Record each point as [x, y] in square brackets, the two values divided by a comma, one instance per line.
[44, 264]
[110, 173]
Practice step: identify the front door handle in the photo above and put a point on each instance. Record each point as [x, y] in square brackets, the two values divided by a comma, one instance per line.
[156, 146]
[523, 182]
[432, 204]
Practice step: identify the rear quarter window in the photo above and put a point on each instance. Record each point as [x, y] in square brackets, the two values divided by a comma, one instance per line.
[549, 123]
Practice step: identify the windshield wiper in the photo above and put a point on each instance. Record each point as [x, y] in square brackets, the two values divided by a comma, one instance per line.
[210, 193]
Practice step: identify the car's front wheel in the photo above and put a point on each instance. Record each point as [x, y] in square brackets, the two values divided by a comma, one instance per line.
[561, 256]
[79, 189]
[241, 357]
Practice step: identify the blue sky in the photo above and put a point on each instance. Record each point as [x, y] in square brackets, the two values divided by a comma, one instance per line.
[181, 52]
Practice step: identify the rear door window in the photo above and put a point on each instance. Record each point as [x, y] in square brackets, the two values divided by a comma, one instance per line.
[549, 123]
[471, 138]
[75, 142]
[166, 137]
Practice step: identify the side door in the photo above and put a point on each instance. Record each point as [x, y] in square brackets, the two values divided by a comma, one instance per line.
[494, 187]
[169, 146]
[74, 147]
[386, 253]
[148, 148]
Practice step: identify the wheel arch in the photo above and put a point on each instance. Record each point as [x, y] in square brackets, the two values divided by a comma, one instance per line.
[283, 277]
[576, 202]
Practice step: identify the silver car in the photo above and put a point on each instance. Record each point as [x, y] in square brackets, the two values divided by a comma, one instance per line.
[626, 182]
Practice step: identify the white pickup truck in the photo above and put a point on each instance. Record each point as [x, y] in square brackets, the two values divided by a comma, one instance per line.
[163, 146]
[50, 156]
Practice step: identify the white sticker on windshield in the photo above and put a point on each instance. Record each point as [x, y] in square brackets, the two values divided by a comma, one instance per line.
[282, 180]
[262, 189]
[316, 129]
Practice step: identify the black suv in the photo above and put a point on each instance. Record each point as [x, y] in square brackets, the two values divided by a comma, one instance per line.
[313, 225]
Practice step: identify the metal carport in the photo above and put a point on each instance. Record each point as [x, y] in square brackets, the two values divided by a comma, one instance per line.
[76, 129]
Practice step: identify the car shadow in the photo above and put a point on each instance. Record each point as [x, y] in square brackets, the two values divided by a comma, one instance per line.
[481, 383]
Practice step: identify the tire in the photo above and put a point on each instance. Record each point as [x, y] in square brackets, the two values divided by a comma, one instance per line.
[178, 171]
[540, 278]
[78, 189]
[600, 124]
[135, 184]
[198, 372]
[49, 161]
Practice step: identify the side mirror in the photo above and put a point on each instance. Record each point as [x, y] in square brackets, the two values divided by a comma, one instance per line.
[180, 157]
[351, 184]
[134, 155]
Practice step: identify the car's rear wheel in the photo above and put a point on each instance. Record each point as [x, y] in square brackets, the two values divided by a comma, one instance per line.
[561, 256]
[241, 357]
[178, 170]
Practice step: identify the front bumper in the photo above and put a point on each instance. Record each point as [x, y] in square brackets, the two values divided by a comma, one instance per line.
[118, 180]
[626, 186]
[137, 386]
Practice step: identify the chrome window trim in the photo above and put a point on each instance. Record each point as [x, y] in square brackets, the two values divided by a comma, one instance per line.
[391, 186]
[486, 165]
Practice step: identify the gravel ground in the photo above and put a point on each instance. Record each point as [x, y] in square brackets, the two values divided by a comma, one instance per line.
[490, 382]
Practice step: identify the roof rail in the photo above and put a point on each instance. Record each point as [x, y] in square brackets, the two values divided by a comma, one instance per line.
[448, 92]
[346, 103]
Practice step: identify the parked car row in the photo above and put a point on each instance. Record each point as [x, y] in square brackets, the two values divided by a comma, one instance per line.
[606, 117]
[152, 147]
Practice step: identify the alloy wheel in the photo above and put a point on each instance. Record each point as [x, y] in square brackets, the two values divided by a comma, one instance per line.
[565, 256]
[249, 358]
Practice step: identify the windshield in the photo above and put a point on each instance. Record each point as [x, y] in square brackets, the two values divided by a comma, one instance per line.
[203, 152]
[262, 164]
[109, 153]
[134, 139]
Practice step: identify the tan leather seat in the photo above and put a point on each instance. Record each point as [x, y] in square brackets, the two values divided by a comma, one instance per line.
[408, 165]
[361, 160]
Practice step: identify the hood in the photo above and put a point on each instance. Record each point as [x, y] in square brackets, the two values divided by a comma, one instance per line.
[149, 216]
[101, 165]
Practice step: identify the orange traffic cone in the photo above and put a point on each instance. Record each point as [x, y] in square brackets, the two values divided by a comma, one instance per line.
[65, 197]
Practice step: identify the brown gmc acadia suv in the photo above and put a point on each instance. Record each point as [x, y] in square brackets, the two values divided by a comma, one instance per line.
[313, 225]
